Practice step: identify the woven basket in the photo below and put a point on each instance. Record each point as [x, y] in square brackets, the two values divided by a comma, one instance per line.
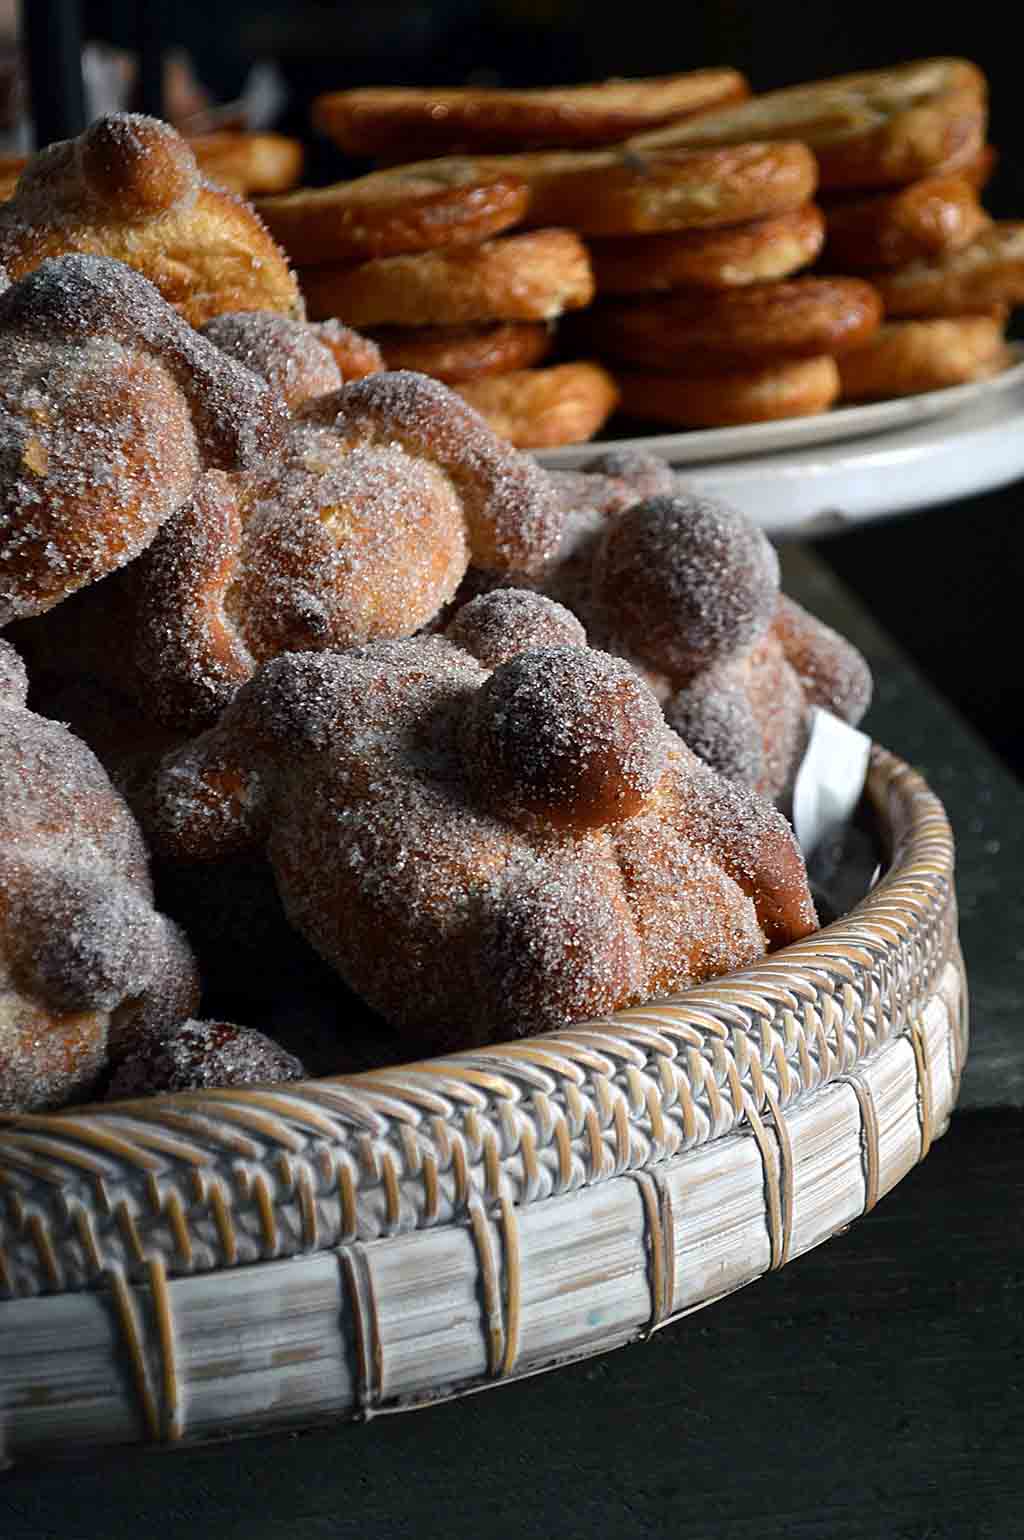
[228, 1261]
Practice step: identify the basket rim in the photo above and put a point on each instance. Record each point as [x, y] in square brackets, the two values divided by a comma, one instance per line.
[218, 1178]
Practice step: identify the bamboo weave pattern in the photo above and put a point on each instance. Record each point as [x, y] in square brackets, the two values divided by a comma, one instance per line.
[143, 1191]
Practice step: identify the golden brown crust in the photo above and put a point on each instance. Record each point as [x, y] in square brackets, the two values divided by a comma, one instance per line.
[455, 354]
[623, 192]
[401, 121]
[388, 213]
[799, 387]
[906, 357]
[693, 331]
[929, 218]
[877, 128]
[248, 163]
[130, 188]
[988, 272]
[530, 277]
[763, 250]
[541, 408]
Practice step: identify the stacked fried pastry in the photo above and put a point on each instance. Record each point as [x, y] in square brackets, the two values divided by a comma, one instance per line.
[425, 260]
[702, 227]
[902, 156]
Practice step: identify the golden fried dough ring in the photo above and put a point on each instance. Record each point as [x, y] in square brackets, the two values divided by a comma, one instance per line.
[693, 331]
[905, 357]
[400, 121]
[130, 188]
[797, 387]
[455, 354]
[760, 251]
[988, 272]
[929, 218]
[111, 407]
[877, 128]
[532, 277]
[299, 359]
[248, 163]
[388, 213]
[624, 192]
[541, 408]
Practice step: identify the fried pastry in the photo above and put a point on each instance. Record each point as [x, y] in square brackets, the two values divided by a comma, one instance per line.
[111, 408]
[906, 357]
[759, 251]
[86, 963]
[298, 359]
[877, 128]
[724, 330]
[540, 408]
[623, 192]
[130, 188]
[988, 272]
[530, 277]
[929, 218]
[388, 213]
[794, 387]
[481, 852]
[398, 122]
[454, 354]
[248, 163]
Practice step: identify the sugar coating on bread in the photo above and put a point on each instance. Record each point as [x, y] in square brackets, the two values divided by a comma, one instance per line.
[686, 590]
[298, 359]
[85, 959]
[517, 836]
[512, 514]
[496, 626]
[111, 407]
[566, 735]
[688, 580]
[193, 1055]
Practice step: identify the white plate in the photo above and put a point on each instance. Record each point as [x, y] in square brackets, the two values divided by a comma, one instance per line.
[701, 445]
[829, 488]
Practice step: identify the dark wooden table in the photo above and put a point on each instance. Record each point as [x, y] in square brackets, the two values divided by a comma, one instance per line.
[872, 1389]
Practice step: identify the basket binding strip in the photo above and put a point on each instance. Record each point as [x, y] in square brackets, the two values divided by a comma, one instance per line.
[210, 1180]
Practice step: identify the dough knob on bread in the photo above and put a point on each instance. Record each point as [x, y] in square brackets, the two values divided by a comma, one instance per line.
[136, 165]
[567, 735]
[688, 580]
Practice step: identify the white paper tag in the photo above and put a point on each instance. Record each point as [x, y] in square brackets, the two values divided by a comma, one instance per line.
[830, 781]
